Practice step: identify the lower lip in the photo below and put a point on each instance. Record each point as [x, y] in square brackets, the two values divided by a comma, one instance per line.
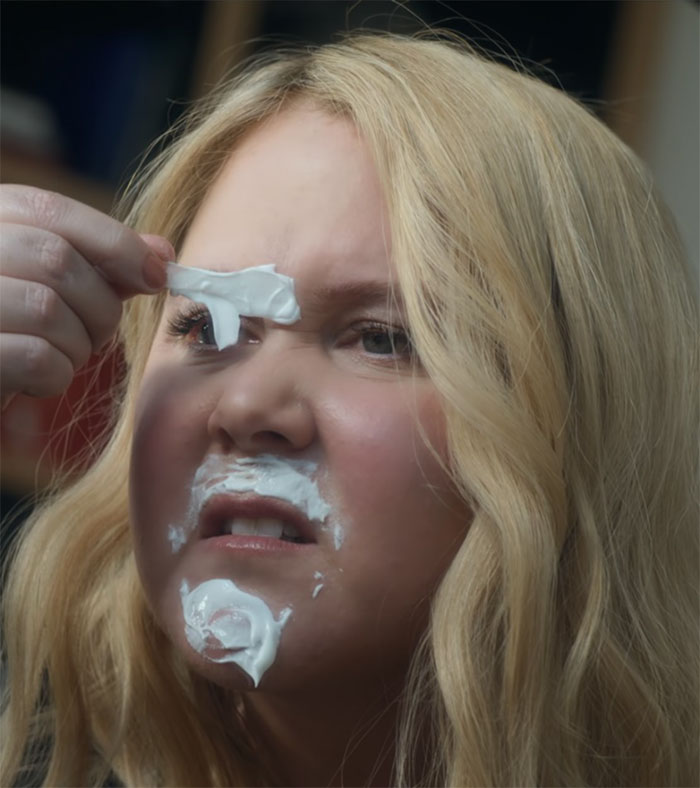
[259, 545]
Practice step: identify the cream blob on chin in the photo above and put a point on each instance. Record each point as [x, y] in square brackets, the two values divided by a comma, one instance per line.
[225, 624]
[258, 291]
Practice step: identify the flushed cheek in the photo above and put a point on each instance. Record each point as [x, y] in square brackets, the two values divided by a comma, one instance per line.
[404, 519]
[376, 449]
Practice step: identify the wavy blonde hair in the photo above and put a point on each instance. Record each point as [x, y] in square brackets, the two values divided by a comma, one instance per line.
[549, 301]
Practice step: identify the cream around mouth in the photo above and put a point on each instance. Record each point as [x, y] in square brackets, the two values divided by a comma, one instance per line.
[265, 476]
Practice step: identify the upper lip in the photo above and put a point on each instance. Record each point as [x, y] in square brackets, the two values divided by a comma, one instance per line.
[221, 508]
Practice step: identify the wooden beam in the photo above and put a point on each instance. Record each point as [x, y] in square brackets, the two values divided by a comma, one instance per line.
[633, 62]
[227, 28]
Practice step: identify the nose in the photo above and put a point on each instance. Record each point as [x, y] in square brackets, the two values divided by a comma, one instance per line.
[263, 406]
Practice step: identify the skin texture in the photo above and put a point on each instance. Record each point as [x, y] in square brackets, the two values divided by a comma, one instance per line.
[302, 192]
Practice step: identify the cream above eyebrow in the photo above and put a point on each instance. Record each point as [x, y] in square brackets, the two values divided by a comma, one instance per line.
[258, 291]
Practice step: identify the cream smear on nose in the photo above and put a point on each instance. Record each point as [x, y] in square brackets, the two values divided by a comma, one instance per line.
[258, 291]
[225, 624]
[265, 475]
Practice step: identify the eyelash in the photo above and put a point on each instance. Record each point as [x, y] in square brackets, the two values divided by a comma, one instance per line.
[184, 322]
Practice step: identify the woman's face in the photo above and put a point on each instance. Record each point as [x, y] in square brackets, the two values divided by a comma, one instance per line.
[337, 389]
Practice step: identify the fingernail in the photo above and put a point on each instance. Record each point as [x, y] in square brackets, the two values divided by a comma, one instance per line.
[154, 273]
[160, 245]
[165, 252]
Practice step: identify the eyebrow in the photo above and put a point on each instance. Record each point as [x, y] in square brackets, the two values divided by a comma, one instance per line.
[350, 294]
[323, 299]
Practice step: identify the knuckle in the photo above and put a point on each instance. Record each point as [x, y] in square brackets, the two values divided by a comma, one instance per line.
[54, 256]
[11, 195]
[43, 305]
[46, 206]
[115, 235]
[38, 358]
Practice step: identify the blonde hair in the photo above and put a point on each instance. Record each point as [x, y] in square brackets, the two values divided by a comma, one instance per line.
[549, 302]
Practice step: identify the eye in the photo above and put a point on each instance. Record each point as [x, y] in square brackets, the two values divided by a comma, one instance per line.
[380, 342]
[384, 340]
[193, 324]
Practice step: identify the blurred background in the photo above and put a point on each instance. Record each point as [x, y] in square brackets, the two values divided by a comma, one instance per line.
[86, 86]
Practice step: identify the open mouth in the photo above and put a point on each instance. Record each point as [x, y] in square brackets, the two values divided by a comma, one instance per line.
[264, 526]
[267, 518]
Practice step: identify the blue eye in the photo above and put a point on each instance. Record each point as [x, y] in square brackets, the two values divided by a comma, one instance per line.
[384, 340]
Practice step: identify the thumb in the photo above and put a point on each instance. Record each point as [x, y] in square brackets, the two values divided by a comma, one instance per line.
[161, 246]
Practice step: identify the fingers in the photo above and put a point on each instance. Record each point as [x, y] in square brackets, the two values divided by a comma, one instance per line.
[32, 365]
[118, 252]
[36, 310]
[64, 270]
[161, 246]
[33, 255]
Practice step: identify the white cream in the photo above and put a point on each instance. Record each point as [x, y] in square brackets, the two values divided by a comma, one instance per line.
[338, 535]
[177, 537]
[225, 624]
[265, 475]
[317, 589]
[258, 291]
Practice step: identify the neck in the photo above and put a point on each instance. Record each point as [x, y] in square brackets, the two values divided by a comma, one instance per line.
[346, 738]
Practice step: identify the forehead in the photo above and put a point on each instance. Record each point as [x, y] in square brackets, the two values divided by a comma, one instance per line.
[300, 191]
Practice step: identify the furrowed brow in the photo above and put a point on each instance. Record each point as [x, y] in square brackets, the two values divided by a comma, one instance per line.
[352, 294]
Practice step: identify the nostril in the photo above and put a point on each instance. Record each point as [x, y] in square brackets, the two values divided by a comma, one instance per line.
[271, 437]
[224, 441]
[260, 419]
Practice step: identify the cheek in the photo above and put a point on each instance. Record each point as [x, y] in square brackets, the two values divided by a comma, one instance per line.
[169, 403]
[378, 444]
[169, 426]
[403, 523]
[401, 513]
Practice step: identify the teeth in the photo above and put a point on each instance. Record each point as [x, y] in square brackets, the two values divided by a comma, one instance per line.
[247, 526]
[269, 527]
[241, 525]
[262, 526]
[290, 532]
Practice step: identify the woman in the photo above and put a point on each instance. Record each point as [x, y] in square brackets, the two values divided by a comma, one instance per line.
[490, 389]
